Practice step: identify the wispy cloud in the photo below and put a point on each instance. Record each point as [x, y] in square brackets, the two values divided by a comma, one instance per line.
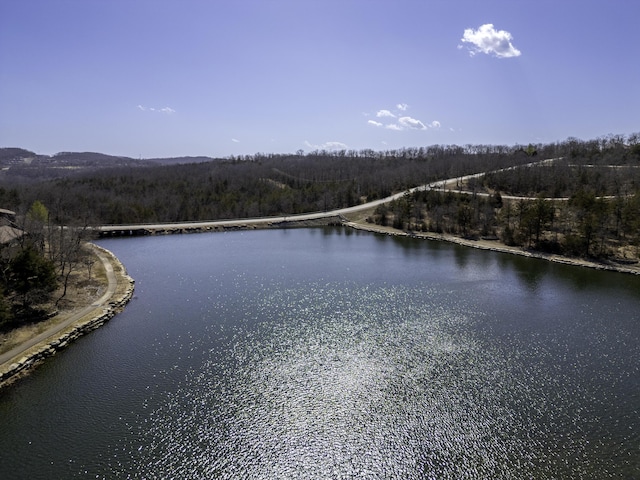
[385, 113]
[374, 123]
[486, 39]
[326, 146]
[235, 140]
[166, 110]
[402, 107]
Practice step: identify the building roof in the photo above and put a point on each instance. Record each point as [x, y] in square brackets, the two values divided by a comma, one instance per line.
[8, 234]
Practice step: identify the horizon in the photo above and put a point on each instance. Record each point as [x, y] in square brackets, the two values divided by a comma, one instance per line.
[162, 78]
[626, 137]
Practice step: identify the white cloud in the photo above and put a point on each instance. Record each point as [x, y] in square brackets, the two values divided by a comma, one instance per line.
[235, 140]
[409, 122]
[486, 39]
[385, 113]
[403, 122]
[167, 110]
[327, 146]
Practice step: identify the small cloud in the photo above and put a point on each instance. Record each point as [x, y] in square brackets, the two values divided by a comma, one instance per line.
[235, 140]
[486, 39]
[403, 122]
[167, 110]
[327, 146]
[385, 113]
[412, 123]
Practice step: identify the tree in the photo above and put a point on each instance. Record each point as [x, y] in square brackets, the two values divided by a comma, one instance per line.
[38, 212]
[69, 248]
[5, 311]
[592, 216]
[542, 216]
[32, 276]
[36, 220]
[464, 216]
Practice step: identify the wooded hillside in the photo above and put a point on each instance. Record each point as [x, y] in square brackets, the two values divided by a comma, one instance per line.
[595, 184]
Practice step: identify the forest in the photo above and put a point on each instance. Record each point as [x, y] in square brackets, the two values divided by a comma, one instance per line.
[574, 197]
[583, 203]
[238, 187]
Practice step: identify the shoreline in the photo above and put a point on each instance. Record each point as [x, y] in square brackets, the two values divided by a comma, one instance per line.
[121, 287]
[21, 360]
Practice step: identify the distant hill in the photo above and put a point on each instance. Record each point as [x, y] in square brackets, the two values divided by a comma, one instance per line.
[8, 155]
[89, 158]
[181, 160]
[18, 165]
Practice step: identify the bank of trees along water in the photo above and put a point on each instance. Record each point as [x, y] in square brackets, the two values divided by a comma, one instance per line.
[595, 184]
[36, 267]
[585, 203]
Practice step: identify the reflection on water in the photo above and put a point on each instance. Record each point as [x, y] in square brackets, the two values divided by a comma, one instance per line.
[321, 354]
[346, 382]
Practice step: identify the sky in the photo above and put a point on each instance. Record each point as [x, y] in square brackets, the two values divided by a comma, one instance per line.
[163, 78]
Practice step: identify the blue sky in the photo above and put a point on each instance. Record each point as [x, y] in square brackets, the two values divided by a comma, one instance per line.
[159, 78]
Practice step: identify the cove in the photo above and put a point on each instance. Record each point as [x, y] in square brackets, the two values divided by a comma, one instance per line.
[332, 353]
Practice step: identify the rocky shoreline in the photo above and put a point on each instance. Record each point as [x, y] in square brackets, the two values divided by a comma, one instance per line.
[31, 358]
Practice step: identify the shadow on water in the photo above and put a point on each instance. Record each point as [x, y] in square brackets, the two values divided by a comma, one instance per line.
[531, 272]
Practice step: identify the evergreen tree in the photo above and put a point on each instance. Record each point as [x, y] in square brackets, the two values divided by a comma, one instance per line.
[32, 276]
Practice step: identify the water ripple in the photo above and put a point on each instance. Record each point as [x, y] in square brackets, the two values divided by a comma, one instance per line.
[345, 381]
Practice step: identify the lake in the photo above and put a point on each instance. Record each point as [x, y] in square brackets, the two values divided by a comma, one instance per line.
[332, 353]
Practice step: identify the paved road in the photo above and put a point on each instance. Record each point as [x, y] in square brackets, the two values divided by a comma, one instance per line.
[98, 304]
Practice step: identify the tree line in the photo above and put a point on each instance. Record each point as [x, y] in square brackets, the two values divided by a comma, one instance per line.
[584, 225]
[252, 185]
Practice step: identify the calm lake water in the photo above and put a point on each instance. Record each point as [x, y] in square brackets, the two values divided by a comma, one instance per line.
[328, 353]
